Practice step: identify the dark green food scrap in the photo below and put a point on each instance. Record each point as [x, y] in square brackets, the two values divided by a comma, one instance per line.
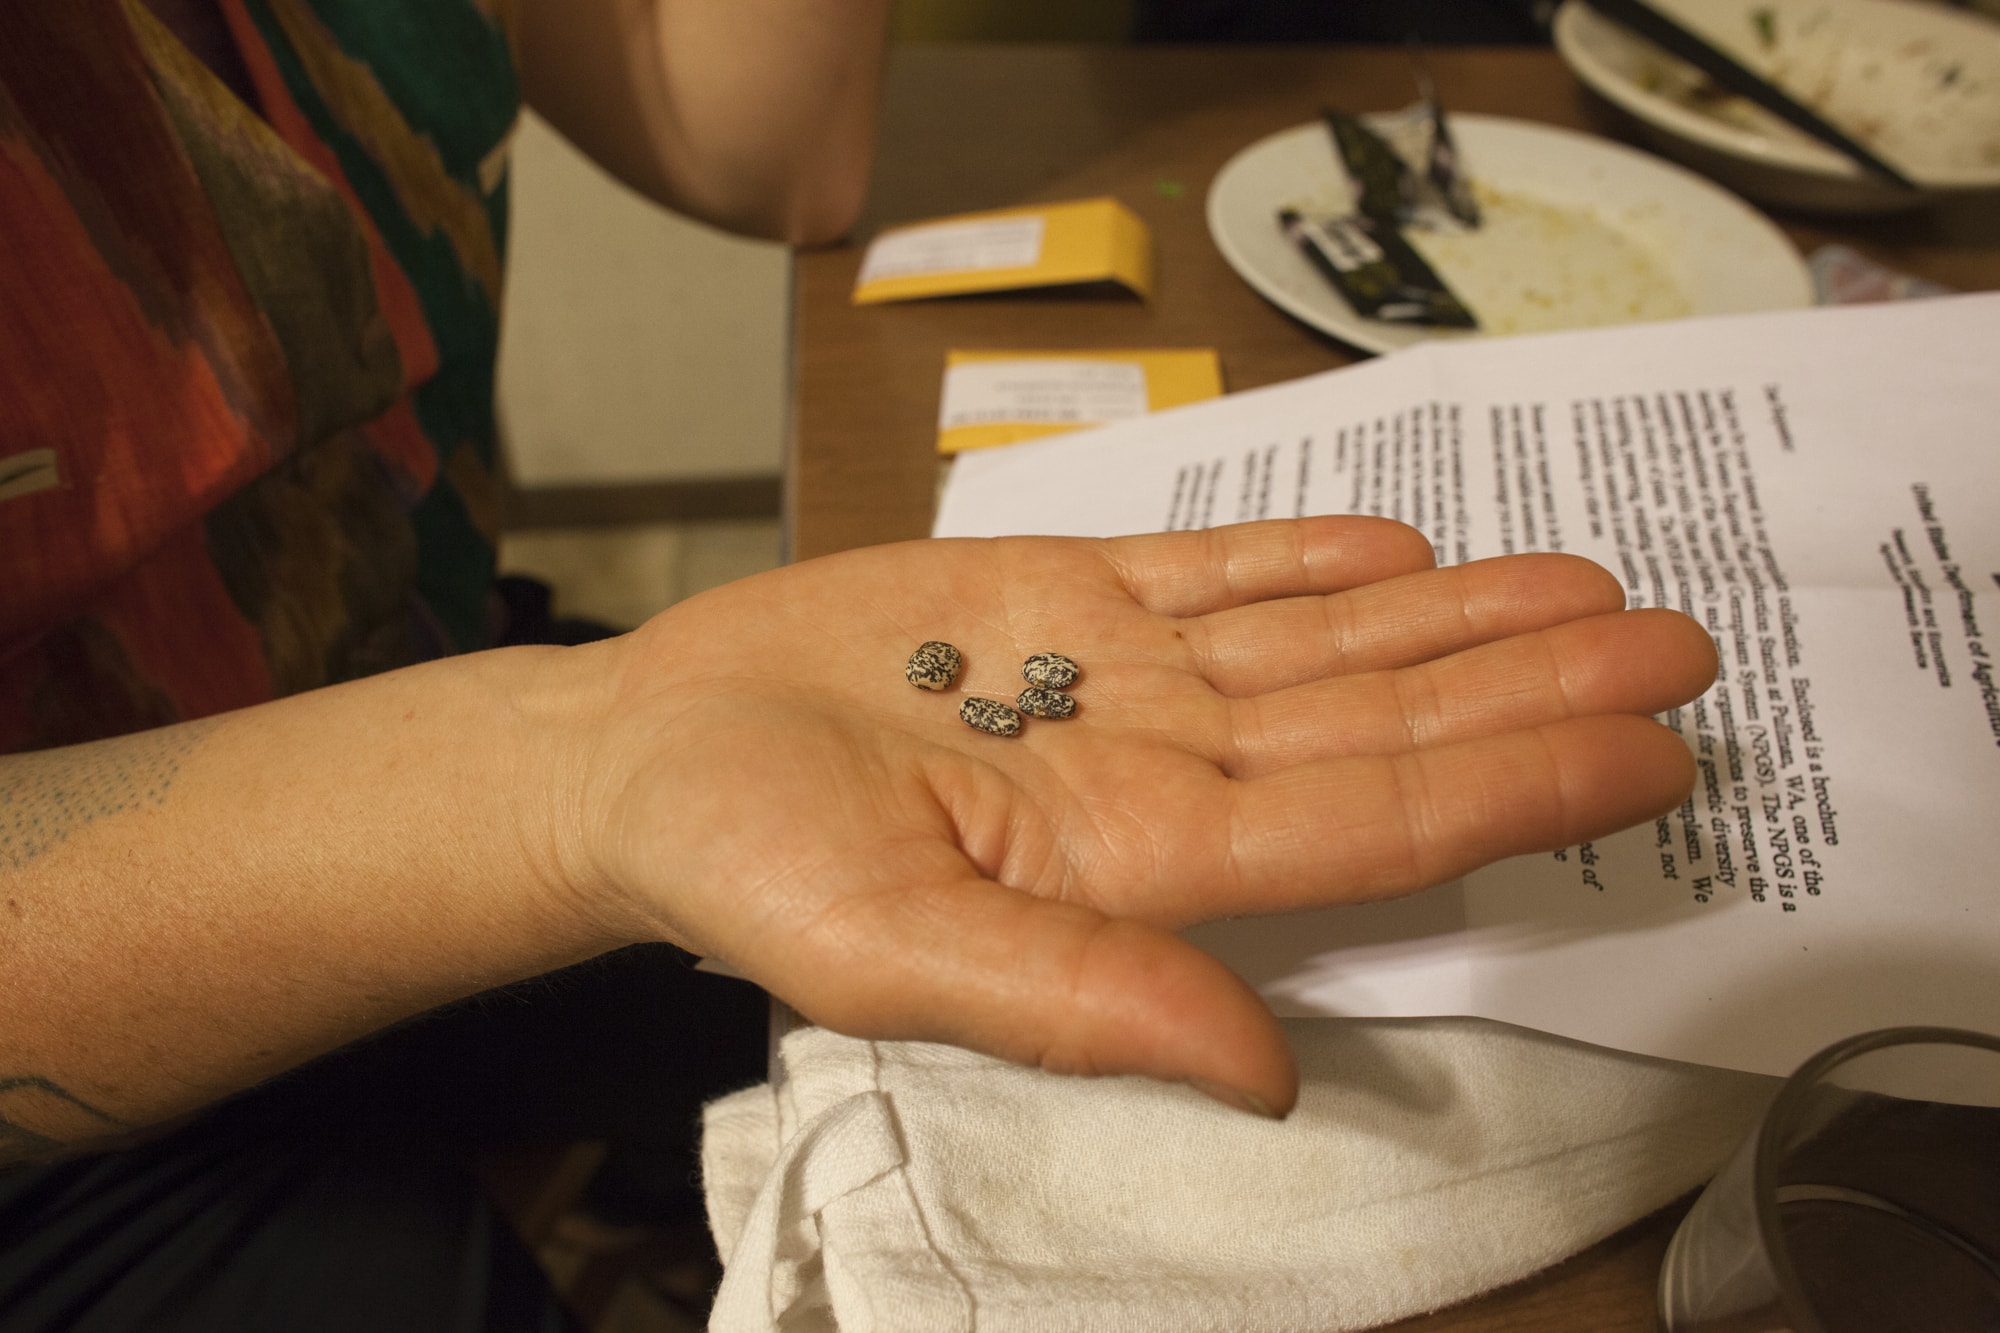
[1375, 168]
[1376, 270]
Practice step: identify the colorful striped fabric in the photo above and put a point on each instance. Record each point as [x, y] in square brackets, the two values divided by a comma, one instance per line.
[246, 355]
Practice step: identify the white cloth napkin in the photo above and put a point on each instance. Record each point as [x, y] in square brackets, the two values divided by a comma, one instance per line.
[905, 1186]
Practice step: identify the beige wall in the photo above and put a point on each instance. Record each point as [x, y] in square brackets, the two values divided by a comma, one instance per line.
[636, 346]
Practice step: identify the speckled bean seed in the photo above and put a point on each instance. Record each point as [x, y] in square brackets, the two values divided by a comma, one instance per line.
[1038, 702]
[991, 717]
[934, 666]
[1051, 671]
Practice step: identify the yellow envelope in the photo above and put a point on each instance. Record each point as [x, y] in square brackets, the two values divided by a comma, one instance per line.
[1050, 245]
[992, 398]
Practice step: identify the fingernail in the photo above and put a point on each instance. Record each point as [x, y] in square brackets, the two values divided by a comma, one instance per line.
[1236, 1097]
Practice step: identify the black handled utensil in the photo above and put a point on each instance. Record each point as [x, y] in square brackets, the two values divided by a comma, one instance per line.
[1670, 36]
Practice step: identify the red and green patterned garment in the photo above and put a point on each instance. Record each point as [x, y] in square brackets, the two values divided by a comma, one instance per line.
[246, 354]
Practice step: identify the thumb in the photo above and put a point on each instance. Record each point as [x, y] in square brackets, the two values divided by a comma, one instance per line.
[1050, 984]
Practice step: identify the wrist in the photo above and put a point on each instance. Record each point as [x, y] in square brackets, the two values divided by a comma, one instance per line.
[560, 707]
[631, 827]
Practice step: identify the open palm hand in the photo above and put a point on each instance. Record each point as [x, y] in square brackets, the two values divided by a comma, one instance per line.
[1272, 716]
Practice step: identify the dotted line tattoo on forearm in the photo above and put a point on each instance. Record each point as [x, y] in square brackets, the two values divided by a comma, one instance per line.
[38, 1099]
[46, 795]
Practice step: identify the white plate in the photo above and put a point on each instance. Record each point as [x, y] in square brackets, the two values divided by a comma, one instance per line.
[1578, 232]
[1919, 82]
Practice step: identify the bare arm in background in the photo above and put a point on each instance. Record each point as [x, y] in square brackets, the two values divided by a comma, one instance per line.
[756, 115]
[1272, 716]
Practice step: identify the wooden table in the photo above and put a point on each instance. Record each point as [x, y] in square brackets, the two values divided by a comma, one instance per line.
[985, 127]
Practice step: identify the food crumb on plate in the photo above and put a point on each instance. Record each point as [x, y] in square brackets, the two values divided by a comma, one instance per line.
[1536, 265]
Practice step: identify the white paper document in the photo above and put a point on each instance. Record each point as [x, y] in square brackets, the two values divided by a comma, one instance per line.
[1821, 490]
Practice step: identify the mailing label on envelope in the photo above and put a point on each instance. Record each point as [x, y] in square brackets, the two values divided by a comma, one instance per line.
[1079, 242]
[993, 398]
[955, 247]
[1057, 393]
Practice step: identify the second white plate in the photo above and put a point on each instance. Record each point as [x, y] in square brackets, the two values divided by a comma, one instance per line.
[1578, 232]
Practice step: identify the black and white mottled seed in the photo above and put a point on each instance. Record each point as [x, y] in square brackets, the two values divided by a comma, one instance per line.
[934, 666]
[1051, 671]
[1053, 704]
[991, 717]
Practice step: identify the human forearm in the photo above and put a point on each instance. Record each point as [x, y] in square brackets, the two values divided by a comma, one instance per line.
[757, 115]
[1271, 717]
[189, 911]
